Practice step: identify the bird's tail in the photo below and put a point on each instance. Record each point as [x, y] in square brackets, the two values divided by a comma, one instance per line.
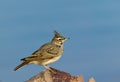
[19, 66]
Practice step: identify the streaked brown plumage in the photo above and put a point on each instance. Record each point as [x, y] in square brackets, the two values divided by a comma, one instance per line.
[46, 54]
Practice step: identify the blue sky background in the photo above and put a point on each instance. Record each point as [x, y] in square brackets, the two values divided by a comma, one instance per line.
[93, 26]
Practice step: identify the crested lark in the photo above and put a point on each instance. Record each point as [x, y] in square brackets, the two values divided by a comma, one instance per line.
[46, 54]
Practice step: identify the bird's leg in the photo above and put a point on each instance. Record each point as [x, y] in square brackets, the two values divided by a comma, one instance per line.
[47, 67]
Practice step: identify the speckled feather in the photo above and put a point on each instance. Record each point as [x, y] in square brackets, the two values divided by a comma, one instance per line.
[46, 54]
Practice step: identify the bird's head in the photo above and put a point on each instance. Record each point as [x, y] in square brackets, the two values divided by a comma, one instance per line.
[58, 39]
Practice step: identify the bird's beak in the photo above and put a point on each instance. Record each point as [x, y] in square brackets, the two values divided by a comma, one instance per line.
[67, 38]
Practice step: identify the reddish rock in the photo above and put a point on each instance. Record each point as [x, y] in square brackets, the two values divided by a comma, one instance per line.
[56, 76]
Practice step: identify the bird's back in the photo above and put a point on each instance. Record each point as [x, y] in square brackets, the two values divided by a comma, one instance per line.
[45, 52]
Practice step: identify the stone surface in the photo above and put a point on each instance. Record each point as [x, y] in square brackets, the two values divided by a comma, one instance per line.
[91, 80]
[57, 76]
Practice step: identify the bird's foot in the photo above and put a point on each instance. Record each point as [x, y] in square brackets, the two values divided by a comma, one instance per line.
[50, 69]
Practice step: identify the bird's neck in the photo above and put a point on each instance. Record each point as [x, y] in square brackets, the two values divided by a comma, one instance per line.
[57, 43]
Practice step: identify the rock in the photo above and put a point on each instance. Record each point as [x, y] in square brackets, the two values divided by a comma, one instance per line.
[91, 80]
[55, 76]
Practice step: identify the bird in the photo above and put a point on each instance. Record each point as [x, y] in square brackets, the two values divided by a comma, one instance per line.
[47, 53]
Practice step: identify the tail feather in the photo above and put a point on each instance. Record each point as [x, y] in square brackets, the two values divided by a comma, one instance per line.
[19, 66]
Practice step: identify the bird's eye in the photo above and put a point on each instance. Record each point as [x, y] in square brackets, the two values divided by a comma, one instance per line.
[59, 39]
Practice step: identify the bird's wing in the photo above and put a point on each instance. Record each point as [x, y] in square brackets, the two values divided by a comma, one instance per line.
[46, 51]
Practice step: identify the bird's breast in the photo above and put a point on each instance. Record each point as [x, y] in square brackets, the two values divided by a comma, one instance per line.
[51, 60]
